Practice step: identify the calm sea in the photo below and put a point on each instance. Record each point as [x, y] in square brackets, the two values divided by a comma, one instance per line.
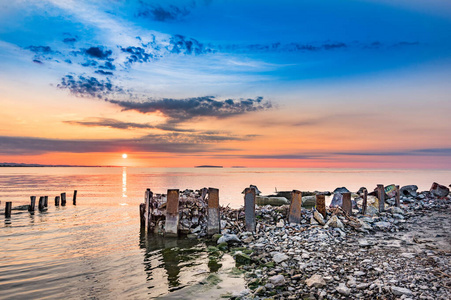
[96, 250]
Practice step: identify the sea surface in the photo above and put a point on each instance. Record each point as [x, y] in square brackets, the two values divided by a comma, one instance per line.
[96, 249]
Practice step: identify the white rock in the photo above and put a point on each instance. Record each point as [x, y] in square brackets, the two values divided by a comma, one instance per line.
[398, 291]
[343, 289]
[335, 222]
[319, 217]
[277, 280]
[228, 238]
[279, 257]
[315, 281]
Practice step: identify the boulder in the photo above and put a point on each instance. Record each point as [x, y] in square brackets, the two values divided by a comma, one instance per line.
[382, 225]
[439, 190]
[341, 190]
[315, 281]
[343, 289]
[334, 222]
[277, 280]
[399, 291]
[270, 200]
[409, 190]
[318, 217]
[279, 257]
[337, 200]
[229, 239]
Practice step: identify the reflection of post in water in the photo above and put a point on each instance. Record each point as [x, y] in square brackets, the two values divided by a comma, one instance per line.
[175, 254]
[124, 182]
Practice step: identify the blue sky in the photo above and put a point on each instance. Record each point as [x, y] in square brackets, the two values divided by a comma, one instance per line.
[309, 58]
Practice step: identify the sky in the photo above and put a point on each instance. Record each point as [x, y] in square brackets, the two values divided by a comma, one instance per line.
[174, 83]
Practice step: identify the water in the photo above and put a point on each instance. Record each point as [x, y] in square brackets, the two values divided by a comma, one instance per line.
[96, 250]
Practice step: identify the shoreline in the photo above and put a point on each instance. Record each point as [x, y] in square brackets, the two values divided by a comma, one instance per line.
[403, 253]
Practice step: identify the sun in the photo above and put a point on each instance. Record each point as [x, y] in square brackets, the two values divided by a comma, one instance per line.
[124, 155]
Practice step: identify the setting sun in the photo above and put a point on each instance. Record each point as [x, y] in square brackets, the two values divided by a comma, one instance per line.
[124, 155]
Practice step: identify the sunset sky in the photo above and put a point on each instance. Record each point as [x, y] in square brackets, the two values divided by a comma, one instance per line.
[310, 83]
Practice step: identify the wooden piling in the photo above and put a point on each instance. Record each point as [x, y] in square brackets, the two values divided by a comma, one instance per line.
[365, 201]
[74, 198]
[347, 203]
[213, 217]
[142, 217]
[398, 196]
[8, 206]
[57, 201]
[381, 197]
[63, 199]
[172, 213]
[148, 197]
[295, 207]
[46, 201]
[41, 203]
[249, 209]
[321, 204]
[32, 206]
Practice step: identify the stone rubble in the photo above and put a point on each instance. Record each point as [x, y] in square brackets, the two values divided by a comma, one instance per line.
[401, 253]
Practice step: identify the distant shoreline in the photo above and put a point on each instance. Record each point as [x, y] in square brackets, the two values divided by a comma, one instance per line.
[208, 166]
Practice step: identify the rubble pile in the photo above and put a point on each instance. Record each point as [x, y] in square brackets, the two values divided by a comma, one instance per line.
[401, 253]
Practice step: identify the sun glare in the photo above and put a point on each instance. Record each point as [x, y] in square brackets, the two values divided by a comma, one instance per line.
[124, 155]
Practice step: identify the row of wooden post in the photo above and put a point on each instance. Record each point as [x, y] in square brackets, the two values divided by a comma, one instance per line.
[296, 203]
[172, 211]
[42, 204]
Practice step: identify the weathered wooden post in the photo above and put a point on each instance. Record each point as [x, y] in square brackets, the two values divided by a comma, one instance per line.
[213, 218]
[32, 206]
[347, 204]
[381, 197]
[398, 196]
[142, 217]
[365, 201]
[321, 204]
[41, 203]
[57, 201]
[295, 207]
[148, 196]
[63, 199]
[8, 206]
[74, 199]
[46, 201]
[172, 213]
[249, 209]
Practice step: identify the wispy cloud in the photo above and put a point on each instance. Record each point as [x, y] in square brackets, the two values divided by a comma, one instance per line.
[162, 14]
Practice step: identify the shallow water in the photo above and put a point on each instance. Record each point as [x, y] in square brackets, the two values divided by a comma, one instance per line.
[96, 249]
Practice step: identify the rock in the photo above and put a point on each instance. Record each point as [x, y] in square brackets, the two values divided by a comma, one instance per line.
[343, 289]
[382, 225]
[341, 190]
[229, 239]
[439, 190]
[279, 257]
[371, 210]
[318, 217]
[372, 201]
[409, 190]
[260, 290]
[242, 259]
[308, 201]
[315, 281]
[365, 225]
[364, 243]
[277, 280]
[334, 222]
[280, 224]
[399, 291]
[396, 210]
[313, 221]
[268, 200]
[337, 200]
[215, 237]
[390, 190]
